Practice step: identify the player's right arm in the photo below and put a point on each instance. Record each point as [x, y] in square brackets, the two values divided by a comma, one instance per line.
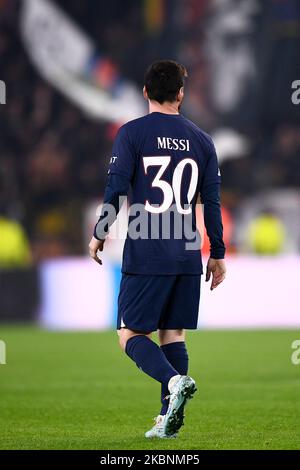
[120, 173]
[210, 197]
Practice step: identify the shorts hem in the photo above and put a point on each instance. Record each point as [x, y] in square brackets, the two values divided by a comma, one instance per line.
[139, 330]
[135, 329]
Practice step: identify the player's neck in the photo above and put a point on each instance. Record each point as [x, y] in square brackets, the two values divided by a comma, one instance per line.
[165, 108]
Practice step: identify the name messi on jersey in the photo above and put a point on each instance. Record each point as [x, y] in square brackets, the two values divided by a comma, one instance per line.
[173, 144]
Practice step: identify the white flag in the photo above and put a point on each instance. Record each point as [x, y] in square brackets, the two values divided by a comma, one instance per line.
[61, 52]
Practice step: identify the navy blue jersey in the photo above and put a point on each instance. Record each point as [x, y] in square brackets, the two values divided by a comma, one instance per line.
[165, 162]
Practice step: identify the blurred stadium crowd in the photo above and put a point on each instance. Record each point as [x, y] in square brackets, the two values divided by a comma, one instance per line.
[242, 57]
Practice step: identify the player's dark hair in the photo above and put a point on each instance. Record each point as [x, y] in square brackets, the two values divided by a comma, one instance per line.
[163, 80]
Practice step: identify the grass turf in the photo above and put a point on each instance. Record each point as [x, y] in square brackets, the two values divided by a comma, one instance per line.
[78, 391]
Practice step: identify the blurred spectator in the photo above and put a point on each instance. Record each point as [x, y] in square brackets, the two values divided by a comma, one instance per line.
[266, 234]
[14, 246]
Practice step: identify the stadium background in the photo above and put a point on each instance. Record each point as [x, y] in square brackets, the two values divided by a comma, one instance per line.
[73, 73]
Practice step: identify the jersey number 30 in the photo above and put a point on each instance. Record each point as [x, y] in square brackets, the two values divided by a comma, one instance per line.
[169, 191]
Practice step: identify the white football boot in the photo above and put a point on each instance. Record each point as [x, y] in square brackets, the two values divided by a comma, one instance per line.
[182, 389]
[158, 429]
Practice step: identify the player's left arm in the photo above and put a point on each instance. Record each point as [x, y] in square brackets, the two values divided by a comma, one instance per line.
[210, 197]
[116, 187]
[120, 173]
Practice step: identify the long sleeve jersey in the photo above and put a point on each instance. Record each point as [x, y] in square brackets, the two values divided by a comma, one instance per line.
[164, 162]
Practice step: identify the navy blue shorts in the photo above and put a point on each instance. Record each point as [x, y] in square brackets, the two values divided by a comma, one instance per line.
[166, 302]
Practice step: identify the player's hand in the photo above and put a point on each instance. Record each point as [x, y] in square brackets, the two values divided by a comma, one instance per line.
[217, 269]
[95, 246]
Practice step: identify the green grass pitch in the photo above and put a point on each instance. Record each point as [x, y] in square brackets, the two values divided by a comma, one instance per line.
[79, 391]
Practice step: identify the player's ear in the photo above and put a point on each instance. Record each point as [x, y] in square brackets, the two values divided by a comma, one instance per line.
[145, 93]
[180, 94]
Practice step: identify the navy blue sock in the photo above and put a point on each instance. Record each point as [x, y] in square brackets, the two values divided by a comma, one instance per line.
[177, 355]
[150, 359]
